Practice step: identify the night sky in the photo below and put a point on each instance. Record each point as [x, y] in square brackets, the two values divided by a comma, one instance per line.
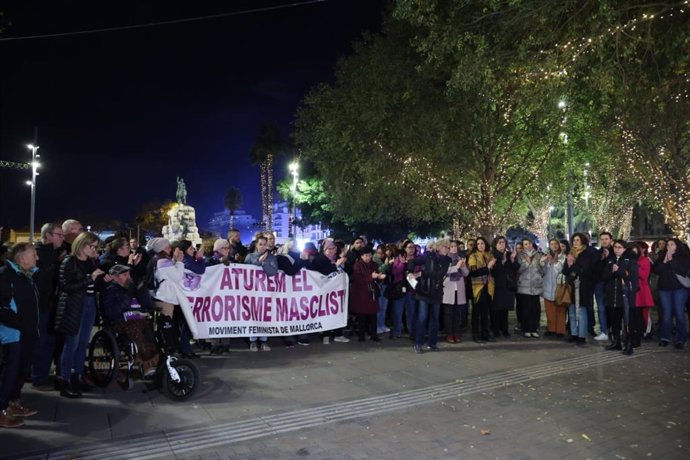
[121, 114]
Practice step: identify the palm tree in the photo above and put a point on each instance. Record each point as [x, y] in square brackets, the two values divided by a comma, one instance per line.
[269, 144]
[232, 202]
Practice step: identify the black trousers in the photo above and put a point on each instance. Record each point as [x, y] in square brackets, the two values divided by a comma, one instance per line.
[480, 315]
[499, 322]
[637, 326]
[531, 312]
[366, 324]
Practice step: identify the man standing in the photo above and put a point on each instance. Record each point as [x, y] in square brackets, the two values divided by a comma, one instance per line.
[606, 255]
[71, 229]
[236, 246]
[50, 255]
[18, 330]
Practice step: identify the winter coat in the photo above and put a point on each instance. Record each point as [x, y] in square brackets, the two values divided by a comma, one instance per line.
[600, 264]
[504, 275]
[667, 271]
[454, 291]
[530, 273]
[362, 301]
[644, 298]
[323, 265]
[74, 281]
[169, 277]
[582, 270]
[623, 281]
[116, 300]
[19, 303]
[551, 271]
[49, 269]
[138, 272]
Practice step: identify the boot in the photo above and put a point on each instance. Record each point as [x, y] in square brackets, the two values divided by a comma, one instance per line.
[68, 391]
[615, 345]
[628, 349]
[8, 421]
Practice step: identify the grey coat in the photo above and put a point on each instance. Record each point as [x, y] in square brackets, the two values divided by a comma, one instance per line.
[551, 272]
[530, 273]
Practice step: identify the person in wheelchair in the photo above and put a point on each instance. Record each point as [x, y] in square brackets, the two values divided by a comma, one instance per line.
[125, 308]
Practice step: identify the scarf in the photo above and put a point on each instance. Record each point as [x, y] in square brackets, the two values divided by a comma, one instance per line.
[456, 276]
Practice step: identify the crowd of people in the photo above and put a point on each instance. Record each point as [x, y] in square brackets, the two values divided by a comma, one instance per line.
[54, 293]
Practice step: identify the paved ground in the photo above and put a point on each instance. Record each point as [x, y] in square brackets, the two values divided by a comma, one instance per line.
[515, 399]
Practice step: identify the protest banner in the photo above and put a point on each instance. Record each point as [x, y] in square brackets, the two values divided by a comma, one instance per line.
[242, 301]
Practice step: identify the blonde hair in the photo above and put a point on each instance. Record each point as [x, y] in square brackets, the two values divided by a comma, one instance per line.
[82, 240]
[442, 243]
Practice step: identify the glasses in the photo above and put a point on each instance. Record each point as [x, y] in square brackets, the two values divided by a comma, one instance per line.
[61, 235]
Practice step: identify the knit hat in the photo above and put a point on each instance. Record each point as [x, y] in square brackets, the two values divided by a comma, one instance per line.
[219, 244]
[157, 244]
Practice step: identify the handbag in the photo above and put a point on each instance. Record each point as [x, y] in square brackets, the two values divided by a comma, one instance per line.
[564, 292]
[684, 280]
[374, 290]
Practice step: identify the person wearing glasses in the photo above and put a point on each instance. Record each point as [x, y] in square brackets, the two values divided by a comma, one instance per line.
[50, 255]
[76, 311]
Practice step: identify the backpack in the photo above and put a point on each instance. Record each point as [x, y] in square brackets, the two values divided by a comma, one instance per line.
[431, 281]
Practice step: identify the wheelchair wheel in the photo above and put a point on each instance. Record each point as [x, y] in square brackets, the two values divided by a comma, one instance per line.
[189, 380]
[104, 358]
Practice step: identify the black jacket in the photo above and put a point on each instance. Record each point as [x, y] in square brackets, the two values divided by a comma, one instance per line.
[20, 289]
[73, 284]
[505, 282]
[117, 299]
[622, 281]
[323, 265]
[430, 285]
[678, 265]
[49, 268]
[583, 268]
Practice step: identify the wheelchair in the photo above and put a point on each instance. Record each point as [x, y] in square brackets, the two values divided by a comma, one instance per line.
[112, 355]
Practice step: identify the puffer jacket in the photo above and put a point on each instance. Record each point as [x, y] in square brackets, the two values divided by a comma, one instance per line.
[73, 283]
[551, 272]
[530, 273]
[18, 294]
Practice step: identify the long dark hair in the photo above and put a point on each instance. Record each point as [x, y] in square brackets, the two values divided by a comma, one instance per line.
[487, 248]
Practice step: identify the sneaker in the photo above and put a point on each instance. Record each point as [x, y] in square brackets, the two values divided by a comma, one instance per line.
[17, 410]
[265, 347]
[303, 342]
[418, 349]
[430, 348]
[535, 335]
[253, 347]
[527, 334]
[8, 421]
[386, 329]
[326, 340]
[601, 337]
[341, 339]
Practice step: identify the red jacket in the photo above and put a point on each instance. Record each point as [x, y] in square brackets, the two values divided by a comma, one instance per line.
[362, 301]
[644, 298]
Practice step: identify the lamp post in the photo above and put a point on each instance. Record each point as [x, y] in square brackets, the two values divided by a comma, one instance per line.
[32, 183]
[293, 167]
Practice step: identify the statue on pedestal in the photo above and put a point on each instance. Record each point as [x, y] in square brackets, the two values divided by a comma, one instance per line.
[181, 194]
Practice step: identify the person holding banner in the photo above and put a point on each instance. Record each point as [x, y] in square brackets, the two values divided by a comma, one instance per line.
[328, 262]
[365, 293]
[263, 258]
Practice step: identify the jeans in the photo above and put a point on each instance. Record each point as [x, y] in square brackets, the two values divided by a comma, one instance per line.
[383, 306]
[410, 312]
[673, 303]
[74, 350]
[422, 312]
[45, 347]
[398, 307]
[599, 295]
[578, 321]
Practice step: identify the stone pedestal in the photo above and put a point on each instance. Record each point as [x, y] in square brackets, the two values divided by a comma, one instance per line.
[182, 225]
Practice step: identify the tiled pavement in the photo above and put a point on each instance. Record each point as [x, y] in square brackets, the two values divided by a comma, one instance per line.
[516, 399]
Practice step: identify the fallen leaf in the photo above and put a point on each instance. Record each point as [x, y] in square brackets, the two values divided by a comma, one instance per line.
[485, 432]
[586, 437]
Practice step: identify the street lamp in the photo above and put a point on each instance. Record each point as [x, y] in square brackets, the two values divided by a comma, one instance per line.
[34, 167]
[293, 167]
